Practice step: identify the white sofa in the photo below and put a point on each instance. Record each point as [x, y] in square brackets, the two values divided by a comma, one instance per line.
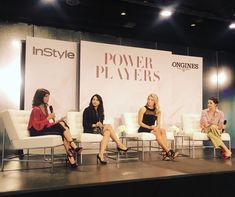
[15, 124]
[87, 140]
[191, 128]
[130, 120]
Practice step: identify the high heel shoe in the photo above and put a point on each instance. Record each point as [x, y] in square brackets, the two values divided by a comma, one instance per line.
[124, 150]
[77, 149]
[163, 153]
[100, 160]
[172, 154]
[224, 156]
[72, 165]
[166, 157]
[70, 155]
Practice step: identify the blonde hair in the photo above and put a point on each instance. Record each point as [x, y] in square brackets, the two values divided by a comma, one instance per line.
[156, 103]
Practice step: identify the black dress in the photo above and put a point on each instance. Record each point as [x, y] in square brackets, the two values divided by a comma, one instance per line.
[149, 119]
[92, 116]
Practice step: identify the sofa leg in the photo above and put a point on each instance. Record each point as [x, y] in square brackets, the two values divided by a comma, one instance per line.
[142, 150]
[3, 149]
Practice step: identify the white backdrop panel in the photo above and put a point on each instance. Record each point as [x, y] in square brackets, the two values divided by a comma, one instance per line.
[52, 64]
[125, 76]
[186, 88]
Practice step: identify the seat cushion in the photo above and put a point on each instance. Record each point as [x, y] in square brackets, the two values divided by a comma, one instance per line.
[225, 137]
[45, 141]
[89, 137]
[131, 134]
[203, 136]
[146, 136]
[198, 136]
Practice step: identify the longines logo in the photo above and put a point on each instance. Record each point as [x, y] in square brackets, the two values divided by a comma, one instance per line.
[184, 66]
[49, 52]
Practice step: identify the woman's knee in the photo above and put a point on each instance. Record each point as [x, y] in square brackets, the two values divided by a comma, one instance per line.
[154, 132]
[163, 131]
[210, 135]
[106, 131]
[62, 124]
[108, 127]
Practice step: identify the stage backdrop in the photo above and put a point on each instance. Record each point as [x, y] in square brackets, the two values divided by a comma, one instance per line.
[52, 64]
[125, 76]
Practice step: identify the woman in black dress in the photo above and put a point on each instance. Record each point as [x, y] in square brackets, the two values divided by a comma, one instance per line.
[149, 118]
[93, 118]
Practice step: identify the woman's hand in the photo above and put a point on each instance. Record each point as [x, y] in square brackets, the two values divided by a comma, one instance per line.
[152, 127]
[51, 116]
[99, 124]
[221, 127]
[61, 119]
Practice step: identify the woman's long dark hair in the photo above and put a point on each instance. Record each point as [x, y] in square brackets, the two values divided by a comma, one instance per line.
[100, 108]
[38, 96]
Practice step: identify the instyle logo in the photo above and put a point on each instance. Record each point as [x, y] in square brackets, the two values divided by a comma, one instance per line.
[49, 52]
[184, 66]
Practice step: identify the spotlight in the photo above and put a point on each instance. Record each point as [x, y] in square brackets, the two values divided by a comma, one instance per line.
[232, 25]
[166, 13]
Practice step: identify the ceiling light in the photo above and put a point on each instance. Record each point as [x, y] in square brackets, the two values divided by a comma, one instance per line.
[123, 13]
[232, 25]
[166, 13]
[193, 25]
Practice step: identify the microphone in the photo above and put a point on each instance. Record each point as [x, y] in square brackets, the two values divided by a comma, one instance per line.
[225, 122]
[51, 110]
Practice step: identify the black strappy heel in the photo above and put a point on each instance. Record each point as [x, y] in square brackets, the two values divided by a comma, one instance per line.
[163, 153]
[70, 155]
[166, 157]
[77, 149]
[172, 154]
[124, 150]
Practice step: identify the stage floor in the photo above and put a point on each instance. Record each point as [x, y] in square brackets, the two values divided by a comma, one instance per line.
[90, 174]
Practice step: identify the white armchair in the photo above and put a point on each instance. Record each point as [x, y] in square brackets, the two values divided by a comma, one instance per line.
[74, 120]
[15, 124]
[130, 120]
[191, 127]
